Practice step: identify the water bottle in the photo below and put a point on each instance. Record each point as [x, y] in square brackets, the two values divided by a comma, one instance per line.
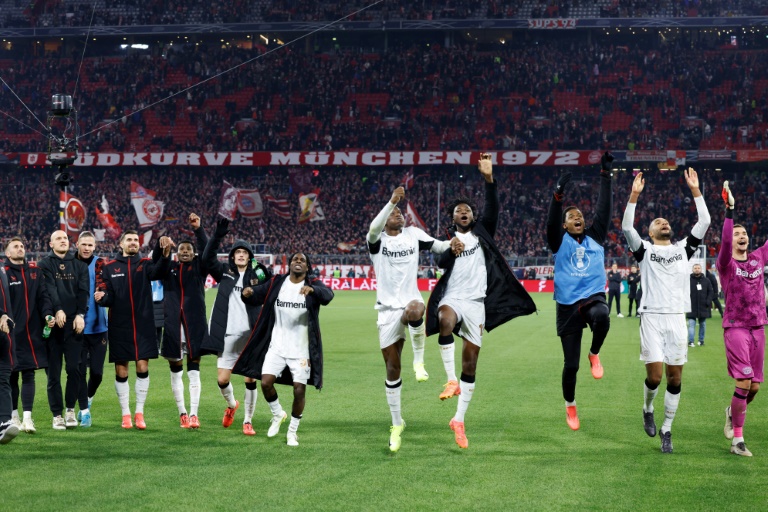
[46, 329]
[259, 271]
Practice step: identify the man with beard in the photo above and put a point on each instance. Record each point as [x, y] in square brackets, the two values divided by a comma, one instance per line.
[701, 305]
[394, 251]
[286, 335]
[633, 279]
[125, 288]
[32, 310]
[95, 332]
[666, 298]
[477, 291]
[185, 326]
[741, 275]
[231, 321]
[66, 280]
[580, 281]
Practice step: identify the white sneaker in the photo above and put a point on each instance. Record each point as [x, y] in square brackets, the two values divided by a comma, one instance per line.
[8, 431]
[620, 315]
[15, 421]
[71, 420]
[58, 423]
[292, 439]
[421, 372]
[274, 424]
[28, 426]
[739, 449]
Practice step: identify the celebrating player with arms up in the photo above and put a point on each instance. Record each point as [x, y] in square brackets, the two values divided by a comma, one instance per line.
[741, 276]
[580, 281]
[477, 291]
[664, 277]
[395, 253]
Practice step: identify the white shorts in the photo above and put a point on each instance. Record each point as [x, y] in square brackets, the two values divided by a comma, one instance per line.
[471, 315]
[664, 338]
[391, 330]
[233, 347]
[275, 364]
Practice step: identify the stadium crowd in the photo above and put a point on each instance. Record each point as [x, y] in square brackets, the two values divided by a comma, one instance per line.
[57, 13]
[556, 94]
[351, 197]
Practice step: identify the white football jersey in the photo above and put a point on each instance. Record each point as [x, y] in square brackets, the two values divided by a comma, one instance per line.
[290, 335]
[469, 279]
[665, 278]
[396, 262]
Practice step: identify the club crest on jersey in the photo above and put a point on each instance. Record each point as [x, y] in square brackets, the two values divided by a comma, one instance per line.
[580, 259]
[753, 263]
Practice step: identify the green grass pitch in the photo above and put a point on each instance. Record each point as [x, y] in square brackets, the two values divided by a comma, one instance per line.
[521, 455]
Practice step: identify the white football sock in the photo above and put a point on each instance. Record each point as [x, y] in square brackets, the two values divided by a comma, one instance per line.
[194, 391]
[467, 390]
[177, 386]
[393, 399]
[123, 391]
[141, 387]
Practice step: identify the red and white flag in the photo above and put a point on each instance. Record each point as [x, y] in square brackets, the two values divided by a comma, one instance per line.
[71, 215]
[412, 218]
[346, 246]
[145, 239]
[310, 207]
[148, 210]
[111, 228]
[228, 201]
[249, 204]
[409, 179]
[279, 205]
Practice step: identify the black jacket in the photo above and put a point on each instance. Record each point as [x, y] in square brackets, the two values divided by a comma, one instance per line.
[183, 302]
[505, 297]
[251, 359]
[701, 299]
[614, 281]
[31, 304]
[632, 281]
[67, 282]
[7, 346]
[226, 274]
[713, 281]
[128, 294]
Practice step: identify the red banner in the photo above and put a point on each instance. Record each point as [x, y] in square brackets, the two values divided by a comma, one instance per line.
[322, 158]
[425, 285]
[752, 155]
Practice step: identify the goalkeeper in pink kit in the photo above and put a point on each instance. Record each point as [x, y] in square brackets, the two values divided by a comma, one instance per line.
[741, 276]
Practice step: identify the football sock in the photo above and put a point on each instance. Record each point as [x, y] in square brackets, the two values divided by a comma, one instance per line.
[467, 386]
[649, 395]
[393, 399]
[123, 390]
[671, 401]
[250, 401]
[141, 387]
[194, 390]
[739, 412]
[229, 395]
[447, 354]
[294, 425]
[274, 406]
[177, 387]
[418, 333]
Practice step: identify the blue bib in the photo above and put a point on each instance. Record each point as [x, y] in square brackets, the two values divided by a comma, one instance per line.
[579, 270]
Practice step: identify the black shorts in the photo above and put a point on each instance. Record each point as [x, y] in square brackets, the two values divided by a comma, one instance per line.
[570, 317]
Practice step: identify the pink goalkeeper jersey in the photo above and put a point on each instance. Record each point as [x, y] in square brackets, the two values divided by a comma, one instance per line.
[742, 283]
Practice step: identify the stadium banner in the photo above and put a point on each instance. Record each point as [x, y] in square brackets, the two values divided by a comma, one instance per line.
[336, 158]
[752, 155]
[552, 23]
[425, 285]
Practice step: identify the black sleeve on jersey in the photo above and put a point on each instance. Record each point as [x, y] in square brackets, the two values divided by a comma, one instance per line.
[374, 247]
[555, 224]
[425, 246]
[640, 253]
[599, 228]
[691, 244]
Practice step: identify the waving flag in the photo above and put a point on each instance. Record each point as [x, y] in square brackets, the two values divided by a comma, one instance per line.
[71, 215]
[280, 206]
[310, 207]
[111, 228]
[148, 210]
[249, 204]
[228, 201]
[412, 218]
